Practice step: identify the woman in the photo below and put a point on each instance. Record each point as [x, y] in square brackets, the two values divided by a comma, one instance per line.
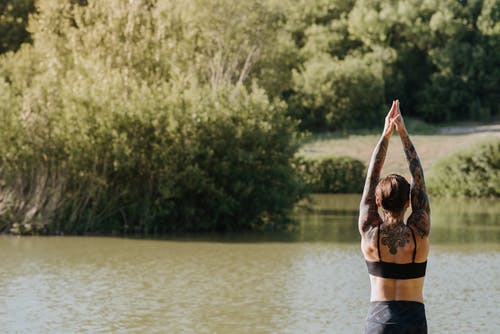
[395, 251]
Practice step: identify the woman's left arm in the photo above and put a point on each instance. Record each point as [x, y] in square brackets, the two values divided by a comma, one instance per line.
[421, 212]
[368, 211]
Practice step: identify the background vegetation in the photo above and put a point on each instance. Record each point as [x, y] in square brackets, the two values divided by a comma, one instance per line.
[333, 175]
[155, 115]
[472, 172]
[335, 63]
[134, 118]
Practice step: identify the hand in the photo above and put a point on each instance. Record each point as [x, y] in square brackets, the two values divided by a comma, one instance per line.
[391, 118]
[398, 120]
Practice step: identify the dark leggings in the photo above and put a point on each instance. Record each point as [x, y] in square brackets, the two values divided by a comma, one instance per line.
[398, 317]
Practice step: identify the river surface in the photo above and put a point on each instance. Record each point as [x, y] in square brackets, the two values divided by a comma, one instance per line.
[310, 280]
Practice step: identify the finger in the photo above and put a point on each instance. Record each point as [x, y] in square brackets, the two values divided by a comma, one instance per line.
[390, 110]
[393, 121]
[396, 107]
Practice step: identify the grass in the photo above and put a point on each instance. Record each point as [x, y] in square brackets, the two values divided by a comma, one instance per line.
[430, 147]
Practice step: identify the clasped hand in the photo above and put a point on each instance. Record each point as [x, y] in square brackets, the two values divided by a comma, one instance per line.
[394, 120]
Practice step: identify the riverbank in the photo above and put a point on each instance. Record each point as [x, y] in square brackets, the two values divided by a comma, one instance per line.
[430, 147]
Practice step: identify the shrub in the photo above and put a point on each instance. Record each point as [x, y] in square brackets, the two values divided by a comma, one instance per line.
[333, 175]
[474, 172]
[136, 124]
[198, 162]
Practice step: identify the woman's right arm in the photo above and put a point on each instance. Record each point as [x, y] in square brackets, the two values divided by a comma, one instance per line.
[368, 210]
[420, 216]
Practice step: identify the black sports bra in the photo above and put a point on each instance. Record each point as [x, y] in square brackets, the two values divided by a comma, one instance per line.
[397, 270]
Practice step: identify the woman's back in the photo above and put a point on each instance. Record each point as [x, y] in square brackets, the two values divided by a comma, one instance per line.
[390, 247]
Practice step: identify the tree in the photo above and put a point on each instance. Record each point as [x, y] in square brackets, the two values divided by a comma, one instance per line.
[338, 82]
[466, 80]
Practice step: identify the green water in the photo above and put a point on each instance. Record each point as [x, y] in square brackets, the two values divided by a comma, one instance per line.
[454, 221]
[311, 280]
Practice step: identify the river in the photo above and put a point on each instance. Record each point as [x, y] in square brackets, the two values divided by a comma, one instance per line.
[309, 280]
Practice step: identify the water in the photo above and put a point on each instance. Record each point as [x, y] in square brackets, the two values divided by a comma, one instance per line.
[311, 280]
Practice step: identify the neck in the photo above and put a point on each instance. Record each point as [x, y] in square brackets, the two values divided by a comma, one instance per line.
[394, 219]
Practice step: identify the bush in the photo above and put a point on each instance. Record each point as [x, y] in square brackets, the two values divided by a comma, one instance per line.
[106, 129]
[201, 162]
[333, 175]
[474, 172]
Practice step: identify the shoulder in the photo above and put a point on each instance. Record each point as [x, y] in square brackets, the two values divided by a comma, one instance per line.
[368, 223]
[369, 243]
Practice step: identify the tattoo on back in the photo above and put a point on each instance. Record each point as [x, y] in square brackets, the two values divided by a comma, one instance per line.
[394, 238]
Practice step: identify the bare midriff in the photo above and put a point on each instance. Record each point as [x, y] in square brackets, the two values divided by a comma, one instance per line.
[385, 289]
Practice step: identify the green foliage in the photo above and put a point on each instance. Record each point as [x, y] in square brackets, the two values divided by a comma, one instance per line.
[333, 95]
[339, 84]
[466, 80]
[153, 115]
[333, 175]
[335, 63]
[440, 58]
[141, 122]
[474, 172]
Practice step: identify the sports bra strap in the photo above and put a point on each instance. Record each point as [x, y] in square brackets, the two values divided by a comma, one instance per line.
[415, 242]
[378, 245]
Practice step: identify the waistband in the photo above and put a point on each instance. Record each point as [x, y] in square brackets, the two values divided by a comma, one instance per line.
[396, 302]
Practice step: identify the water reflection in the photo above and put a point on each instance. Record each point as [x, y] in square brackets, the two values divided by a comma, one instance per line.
[334, 218]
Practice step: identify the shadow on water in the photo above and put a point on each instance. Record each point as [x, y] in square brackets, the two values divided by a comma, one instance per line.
[333, 218]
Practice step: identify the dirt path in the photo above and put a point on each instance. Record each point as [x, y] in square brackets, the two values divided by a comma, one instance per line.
[453, 130]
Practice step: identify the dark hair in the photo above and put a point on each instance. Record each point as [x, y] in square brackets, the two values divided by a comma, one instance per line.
[392, 193]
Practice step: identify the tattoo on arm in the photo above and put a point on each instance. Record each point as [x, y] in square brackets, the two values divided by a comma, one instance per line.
[420, 216]
[368, 211]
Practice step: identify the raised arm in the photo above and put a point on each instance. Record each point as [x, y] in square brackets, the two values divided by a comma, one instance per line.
[420, 216]
[368, 212]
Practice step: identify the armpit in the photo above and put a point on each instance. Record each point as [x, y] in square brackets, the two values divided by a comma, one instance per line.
[420, 219]
[368, 220]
